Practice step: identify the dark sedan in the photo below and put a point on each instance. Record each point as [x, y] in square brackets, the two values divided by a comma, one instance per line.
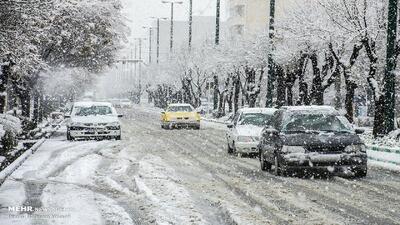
[312, 139]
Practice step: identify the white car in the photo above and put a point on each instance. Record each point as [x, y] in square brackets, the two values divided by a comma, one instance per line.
[93, 120]
[244, 130]
[125, 103]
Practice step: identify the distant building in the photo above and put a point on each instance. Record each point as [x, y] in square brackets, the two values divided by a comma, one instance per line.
[251, 17]
[203, 32]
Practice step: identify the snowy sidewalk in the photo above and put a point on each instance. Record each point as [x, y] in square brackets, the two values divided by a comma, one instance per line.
[56, 186]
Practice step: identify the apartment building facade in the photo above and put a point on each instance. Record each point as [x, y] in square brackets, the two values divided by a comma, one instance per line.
[251, 17]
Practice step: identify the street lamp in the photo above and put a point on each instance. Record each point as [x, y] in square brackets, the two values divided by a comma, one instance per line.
[172, 20]
[190, 22]
[217, 25]
[158, 35]
[140, 64]
[150, 39]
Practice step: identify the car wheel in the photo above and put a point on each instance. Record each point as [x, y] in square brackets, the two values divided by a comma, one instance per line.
[234, 149]
[69, 138]
[277, 169]
[265, 166]
[360, 173]
[230, 150]
[118, 138]
[197, 127]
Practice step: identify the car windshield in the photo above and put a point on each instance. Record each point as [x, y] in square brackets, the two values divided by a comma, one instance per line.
[182, 108]
[93, 110]
[256, 119]
[316, 122]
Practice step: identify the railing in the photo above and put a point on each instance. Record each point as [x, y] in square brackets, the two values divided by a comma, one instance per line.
[384, 154]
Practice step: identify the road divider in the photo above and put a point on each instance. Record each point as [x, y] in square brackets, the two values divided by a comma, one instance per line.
[384, 154]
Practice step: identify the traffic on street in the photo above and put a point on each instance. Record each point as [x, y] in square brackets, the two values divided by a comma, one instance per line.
[182, 176]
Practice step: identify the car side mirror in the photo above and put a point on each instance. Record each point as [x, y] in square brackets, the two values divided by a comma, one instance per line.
[120, 115]
[271, 132]
[230, 125]
[359, 131]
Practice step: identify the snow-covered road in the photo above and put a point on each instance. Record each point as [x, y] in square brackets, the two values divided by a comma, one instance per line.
[156, 176]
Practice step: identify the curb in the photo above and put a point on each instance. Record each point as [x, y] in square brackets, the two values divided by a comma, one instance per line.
[385, 161]
[383, 149]
[213, 120]
[6, 172]
[18, 162]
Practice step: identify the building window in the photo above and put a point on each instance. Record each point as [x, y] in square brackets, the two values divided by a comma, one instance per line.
[239, 29]
[239, 10]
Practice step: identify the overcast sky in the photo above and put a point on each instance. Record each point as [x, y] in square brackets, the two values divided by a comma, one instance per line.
[138, 12]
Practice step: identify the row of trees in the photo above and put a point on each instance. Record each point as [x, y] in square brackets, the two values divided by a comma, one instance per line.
[49, 48]
[326, 52]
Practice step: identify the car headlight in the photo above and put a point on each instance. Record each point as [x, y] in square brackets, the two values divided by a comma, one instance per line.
[293, 149]
[355, 148]
[198, 117]
[114, 124]
[247, 139]
[76, 124]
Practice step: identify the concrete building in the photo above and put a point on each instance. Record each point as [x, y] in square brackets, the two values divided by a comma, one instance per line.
[251, 17]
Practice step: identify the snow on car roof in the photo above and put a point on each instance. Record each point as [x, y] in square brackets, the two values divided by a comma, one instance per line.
[312, 108]
[88, 104]
[258, 110]
[179, 104]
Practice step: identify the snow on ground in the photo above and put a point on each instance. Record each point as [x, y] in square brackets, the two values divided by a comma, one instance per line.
[156, 176]
[173, 204]
[61, 167]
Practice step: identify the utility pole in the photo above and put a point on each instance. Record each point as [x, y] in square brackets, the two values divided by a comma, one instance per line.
[150, 40]
[271, 66]
[171, 44]
[158, 35]
[135, 67]
[140, 61]
[158, 40]
[217, 25]
[171, 40]
[190, 22]
[140, 65]
[389, 78]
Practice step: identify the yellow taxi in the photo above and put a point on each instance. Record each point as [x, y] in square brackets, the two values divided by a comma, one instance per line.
[180, 115]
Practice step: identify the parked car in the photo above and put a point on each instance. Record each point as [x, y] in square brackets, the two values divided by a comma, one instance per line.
[244, 130]
[205, 108]
[93, 120]
[180, 115]
[125, 103]
[116, 103]
[312, 139]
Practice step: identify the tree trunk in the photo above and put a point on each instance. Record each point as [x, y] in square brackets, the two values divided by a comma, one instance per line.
[379, 119]
[236, 84]
[338, 92]
[221, 106]
[36, 106]
[349, 101]
[3, 86]
[281, 86]
[216, 92]
[317, 94]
